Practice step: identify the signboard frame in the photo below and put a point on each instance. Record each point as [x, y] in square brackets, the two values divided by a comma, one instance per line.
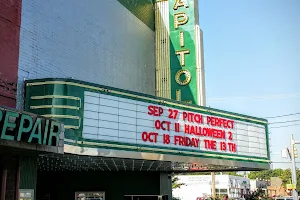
[74, 143]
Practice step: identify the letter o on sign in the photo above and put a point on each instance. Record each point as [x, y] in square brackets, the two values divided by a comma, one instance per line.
[145, 136]
[187, 79]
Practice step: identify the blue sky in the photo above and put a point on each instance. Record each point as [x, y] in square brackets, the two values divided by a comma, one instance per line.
[252, 49]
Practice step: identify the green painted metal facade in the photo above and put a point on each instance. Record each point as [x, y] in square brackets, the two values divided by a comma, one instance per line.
[28, 173]
[142, 9]
[59, 95]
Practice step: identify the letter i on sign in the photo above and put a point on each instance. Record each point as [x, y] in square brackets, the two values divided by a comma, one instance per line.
[177, 127]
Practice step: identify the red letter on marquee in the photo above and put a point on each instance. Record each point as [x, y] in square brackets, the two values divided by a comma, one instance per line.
[230, 135]
[223, 146]
[155, 110]
[166, 138]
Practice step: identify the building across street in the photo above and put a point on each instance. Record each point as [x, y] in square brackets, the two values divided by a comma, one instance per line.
[200, 186]
[259, 184]
[104, 100]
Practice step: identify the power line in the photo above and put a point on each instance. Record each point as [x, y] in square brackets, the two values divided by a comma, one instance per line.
[285, 126]
[283, 115]
[283, 122]
[264, 97]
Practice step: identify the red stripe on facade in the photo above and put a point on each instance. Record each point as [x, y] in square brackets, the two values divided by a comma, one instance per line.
[10, 22]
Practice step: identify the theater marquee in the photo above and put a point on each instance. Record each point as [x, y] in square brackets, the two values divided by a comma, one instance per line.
[98, 117]
[124, 120]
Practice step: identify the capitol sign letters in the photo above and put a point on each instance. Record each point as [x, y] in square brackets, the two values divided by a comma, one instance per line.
[183, 51]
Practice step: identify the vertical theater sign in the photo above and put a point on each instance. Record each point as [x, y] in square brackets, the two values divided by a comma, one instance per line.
[180, 75]
[183, 63]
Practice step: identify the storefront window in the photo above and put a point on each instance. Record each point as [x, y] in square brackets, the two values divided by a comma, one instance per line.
[223, 191]
[89, 196]
[26, 194]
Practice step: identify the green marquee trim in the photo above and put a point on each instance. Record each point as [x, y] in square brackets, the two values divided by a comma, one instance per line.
[147, 98]
[164, 150]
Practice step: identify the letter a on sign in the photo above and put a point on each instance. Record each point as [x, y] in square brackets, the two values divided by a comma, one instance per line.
[180, 3]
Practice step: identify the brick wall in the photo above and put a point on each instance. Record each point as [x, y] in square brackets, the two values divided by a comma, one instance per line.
[96, 41]
[10, 17]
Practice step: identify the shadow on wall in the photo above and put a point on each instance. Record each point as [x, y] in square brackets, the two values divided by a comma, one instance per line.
[142, 9]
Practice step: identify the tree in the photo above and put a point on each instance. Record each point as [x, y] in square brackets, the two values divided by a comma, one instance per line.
[285, 175]
[266, 174]
[175, 183]
[298, 180]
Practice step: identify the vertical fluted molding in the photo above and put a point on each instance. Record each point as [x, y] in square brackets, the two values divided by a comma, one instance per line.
[200, 66]
[163, 81]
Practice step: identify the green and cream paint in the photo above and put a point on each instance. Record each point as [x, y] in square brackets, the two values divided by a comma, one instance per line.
[180, 67]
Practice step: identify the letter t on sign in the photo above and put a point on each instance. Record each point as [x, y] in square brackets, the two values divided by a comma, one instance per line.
[182, 53]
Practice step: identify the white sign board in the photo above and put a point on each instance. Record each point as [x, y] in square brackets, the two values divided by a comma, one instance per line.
[118, 119]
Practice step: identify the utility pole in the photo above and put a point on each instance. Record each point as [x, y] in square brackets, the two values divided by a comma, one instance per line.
[213, 186]
[202, 96]
[293, 170]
